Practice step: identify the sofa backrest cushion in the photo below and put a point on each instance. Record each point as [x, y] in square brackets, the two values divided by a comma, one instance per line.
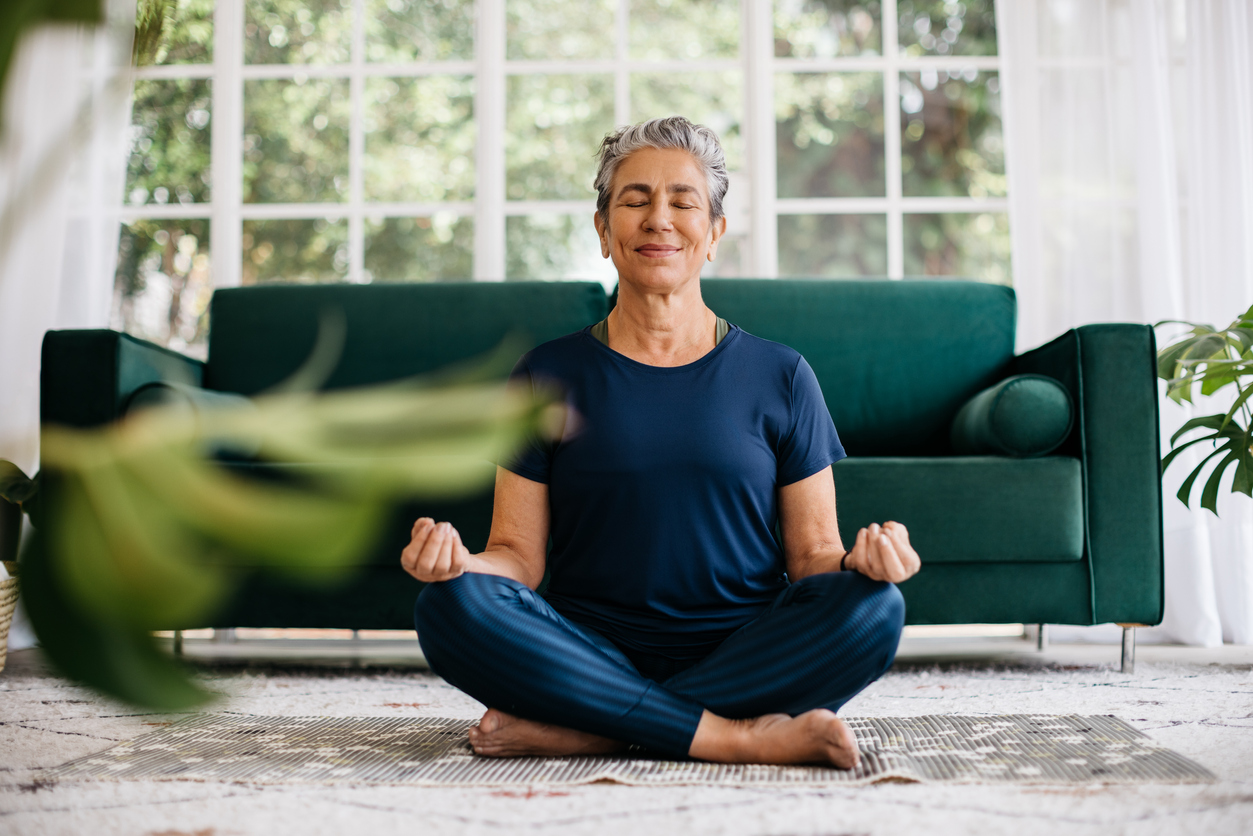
[896, 359]
[259, 335]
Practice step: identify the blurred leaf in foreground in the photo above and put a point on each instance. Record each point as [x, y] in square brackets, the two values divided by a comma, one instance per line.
[145, 531]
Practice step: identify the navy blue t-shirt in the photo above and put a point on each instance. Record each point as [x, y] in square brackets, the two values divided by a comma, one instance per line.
[663, 485]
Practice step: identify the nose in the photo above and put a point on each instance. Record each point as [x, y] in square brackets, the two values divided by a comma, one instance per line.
[659, 217]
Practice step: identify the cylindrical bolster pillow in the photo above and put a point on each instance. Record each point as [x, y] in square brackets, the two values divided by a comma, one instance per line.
[1025, 415]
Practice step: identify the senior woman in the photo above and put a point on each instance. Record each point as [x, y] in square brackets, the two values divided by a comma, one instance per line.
[673, 619]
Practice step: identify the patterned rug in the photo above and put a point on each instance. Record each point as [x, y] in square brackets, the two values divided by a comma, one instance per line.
[1012, 748]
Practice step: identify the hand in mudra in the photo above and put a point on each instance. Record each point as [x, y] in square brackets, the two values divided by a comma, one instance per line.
[435, 552]
[883, 553]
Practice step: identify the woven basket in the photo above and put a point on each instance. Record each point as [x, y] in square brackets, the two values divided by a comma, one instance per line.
[8, 601]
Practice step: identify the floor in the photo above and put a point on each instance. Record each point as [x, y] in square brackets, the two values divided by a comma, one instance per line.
[1197, 701]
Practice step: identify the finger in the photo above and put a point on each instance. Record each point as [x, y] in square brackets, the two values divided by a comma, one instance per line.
[904, 550]
[893, 570]
[420, 524]
[857, 557]
[430, 551]
[443, 563]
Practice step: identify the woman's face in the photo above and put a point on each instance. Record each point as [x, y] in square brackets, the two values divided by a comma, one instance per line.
[659, 234]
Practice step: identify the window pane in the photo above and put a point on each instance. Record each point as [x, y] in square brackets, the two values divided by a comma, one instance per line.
[731, 262]
[295, 140]
[967, 245]
[830, 134]
[401, 31]
[306, 251]
[554, 125]
[676, 30]
[951, 134]
[710, 99]
[419, 138]
[550, 246]
[833, 246]
[826, 28]
[936, 27]
[162, 286]
[297, 31]
[185, 37]
[437, 248]
[548, 29]
[170, 139]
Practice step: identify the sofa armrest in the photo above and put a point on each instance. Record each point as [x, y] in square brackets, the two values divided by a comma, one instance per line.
[1111, 373]
[88, 375]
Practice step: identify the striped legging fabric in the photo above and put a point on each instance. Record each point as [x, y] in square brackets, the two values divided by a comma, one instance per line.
[822, 640]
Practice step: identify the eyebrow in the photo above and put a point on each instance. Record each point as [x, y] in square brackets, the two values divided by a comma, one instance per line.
[677, 188]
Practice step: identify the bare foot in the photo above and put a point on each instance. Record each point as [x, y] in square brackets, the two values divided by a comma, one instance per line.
[816, 736]
[501, 735]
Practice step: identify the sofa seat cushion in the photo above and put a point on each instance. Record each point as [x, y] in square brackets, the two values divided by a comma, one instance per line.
[968, 509]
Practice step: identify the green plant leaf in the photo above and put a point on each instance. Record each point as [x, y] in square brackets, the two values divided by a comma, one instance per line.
[1211, 422]
[1170, 457]
[15, 486]
[1185, 490]
[122, 663]
[1209, 496]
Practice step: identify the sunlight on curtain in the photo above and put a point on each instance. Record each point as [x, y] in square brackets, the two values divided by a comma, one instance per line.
[1131, 191]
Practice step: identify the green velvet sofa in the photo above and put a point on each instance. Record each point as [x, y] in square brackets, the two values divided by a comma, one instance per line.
[1073, 537]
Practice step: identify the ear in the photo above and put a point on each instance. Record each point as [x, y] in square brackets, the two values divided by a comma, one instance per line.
[602, 232]
[716, 231]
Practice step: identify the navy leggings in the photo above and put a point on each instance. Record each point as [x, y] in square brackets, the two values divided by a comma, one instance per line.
[822, 640]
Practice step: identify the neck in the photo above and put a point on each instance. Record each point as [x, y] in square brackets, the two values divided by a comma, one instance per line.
[662, 328]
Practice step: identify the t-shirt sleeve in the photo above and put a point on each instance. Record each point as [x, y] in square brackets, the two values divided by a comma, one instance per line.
[811, 442]
[534, 457]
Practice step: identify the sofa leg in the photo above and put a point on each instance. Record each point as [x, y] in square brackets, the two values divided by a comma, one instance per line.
[1042, 638]
[178, 642]
[1128, 650]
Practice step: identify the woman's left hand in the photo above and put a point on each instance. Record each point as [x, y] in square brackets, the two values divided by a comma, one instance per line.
[883, 553]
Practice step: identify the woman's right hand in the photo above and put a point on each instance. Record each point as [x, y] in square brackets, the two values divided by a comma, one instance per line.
[435, 552]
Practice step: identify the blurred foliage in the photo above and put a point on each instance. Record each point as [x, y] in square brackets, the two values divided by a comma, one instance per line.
[833, 246]
[163, 282]
[951, 141]
[173, 32]
[553, 126]
[169, 142]
[297, 31]
[1213, 360]
[296, 140]
[303, 250]
[401, 31]
[142, 531]
[419, 139]
[937, 27]
[713, 99]
[438, 248]
[959, 244]
[827, 28]
[546, 30]
[684, 30]
[830, 134]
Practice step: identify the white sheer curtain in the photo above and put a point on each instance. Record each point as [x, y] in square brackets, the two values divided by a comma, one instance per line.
[1130, 124]
[62, 168]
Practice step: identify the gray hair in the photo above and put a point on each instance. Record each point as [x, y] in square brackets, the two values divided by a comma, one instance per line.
[669, 132]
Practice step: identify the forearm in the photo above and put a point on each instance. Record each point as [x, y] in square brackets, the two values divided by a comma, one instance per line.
[816, 562]
[505, 562]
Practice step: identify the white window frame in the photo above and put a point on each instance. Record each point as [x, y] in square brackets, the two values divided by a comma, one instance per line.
[490, 208]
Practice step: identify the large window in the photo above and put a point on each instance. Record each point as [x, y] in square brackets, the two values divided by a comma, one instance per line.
[431, 140]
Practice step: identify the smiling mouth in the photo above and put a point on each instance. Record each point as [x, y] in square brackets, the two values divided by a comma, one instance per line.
[656, 250]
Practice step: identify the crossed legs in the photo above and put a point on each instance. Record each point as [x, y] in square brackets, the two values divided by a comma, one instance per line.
[768, 694]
